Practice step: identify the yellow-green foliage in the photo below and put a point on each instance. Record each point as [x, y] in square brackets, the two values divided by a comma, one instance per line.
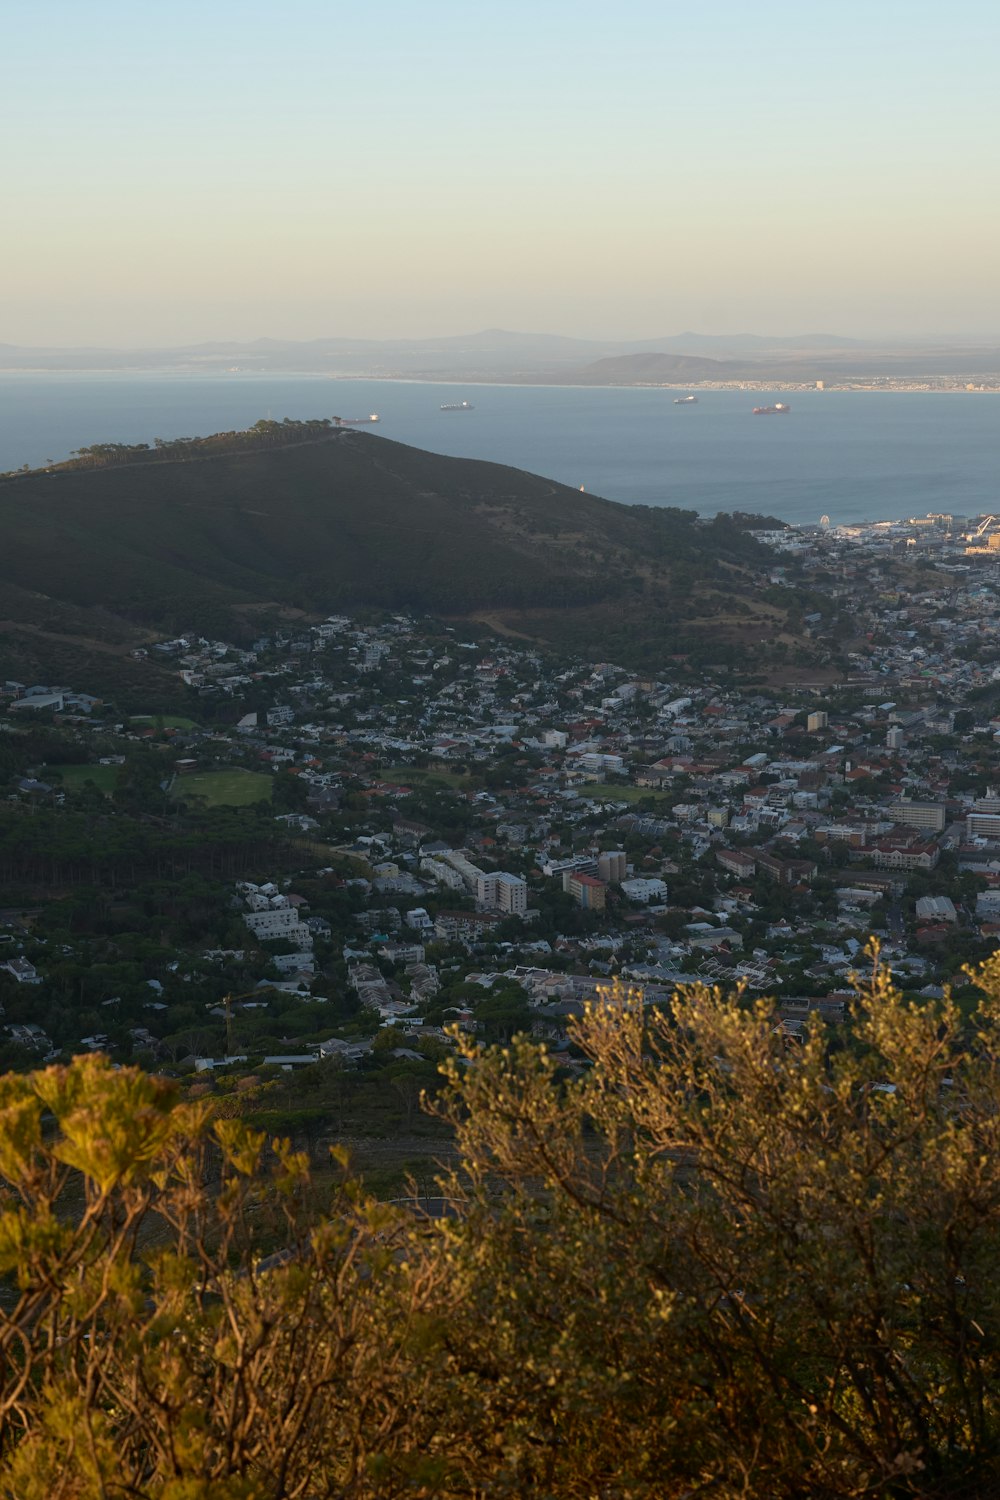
[716, 1263]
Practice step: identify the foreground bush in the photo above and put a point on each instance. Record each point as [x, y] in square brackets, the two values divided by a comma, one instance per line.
[717, 1264]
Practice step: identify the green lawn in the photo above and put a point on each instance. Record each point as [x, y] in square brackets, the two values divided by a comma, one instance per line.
[164, 721]
[224, 788]
[601, 792]
[412, 776]
[72, 778]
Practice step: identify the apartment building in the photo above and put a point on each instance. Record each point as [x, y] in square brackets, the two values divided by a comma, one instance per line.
[587, 891]
[910, 814]
[500, 891]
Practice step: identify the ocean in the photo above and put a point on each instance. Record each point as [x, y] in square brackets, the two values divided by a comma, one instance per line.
[849, 455]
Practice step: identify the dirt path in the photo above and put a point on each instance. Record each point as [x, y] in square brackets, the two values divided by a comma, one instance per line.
[494, 622]
[84, 642]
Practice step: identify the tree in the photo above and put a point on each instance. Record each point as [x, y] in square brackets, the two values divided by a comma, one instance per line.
[409, 1080]
[503, 1012]
[766, 1267]
[711, 1261]
[193, 1367]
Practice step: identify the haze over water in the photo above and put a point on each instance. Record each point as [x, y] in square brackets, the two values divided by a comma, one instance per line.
[850, 455]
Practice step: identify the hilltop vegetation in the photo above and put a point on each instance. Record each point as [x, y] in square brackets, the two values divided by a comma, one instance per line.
[202, 533]
[709, 1263]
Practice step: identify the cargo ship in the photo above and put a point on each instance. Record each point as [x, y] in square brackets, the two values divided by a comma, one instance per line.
[357, 421]
[685, 400]
[778, 409]
[458, 406]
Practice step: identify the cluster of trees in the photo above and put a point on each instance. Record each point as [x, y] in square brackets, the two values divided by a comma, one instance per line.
[263, 434]
[61, 847]
[710, 1264]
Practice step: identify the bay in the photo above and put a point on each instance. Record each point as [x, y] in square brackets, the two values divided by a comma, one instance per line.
[851, 455]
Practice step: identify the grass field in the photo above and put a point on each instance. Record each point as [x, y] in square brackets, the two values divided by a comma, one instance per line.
[600, 792]
[410, 776]
[74, 777]
[164, 721]
[224, 788]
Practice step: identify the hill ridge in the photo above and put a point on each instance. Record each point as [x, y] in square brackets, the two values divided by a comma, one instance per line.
[342, 519]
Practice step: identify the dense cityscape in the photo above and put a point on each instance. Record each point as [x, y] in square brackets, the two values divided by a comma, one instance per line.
[442, 831]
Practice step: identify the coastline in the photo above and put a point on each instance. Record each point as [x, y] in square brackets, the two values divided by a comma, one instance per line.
[943, 386]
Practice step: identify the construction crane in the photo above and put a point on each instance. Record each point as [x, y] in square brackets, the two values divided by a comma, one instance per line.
[990, 521]
[228, 1002]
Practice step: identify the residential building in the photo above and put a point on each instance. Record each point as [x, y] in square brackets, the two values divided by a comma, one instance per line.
[419, 921]
[785, 871]
[21, 970]
[738, 862]
[500, 891]
[644, 890]
[910, 814]
[891, 855]
[464, 926]
[279, 922]
[586, 890]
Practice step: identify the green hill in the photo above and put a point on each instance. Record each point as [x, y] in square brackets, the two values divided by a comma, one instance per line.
[100, 552]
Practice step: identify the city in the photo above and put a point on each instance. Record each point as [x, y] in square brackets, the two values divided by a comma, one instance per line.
[474, 833]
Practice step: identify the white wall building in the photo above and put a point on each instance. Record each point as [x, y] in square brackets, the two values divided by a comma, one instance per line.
[595, 761]
[500, 891]
[419, 920]
[645, 890]
[279, 922]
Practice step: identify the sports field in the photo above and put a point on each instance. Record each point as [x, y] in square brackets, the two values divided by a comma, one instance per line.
[224, 788]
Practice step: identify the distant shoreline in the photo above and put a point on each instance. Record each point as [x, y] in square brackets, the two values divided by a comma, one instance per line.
[878, 386]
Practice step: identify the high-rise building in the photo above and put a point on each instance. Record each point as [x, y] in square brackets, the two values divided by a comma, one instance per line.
[500, 891]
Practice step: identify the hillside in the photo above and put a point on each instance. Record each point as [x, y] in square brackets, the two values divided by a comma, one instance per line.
[102, 555]
[654, 368]
[828, 362]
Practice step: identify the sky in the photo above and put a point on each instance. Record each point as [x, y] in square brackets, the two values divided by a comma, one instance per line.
[224, 169]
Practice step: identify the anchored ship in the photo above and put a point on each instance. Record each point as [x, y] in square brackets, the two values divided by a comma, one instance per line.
[778, 409]
[685, 400]
[458, 406]
[357, 421]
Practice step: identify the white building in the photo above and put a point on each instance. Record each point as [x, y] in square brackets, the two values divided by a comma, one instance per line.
[441, 873]
[279, 922]
[936, 909]
[595, 761]
[419, 921]
[469, 872]
[645, 890]
[499, 891]
[21, 970]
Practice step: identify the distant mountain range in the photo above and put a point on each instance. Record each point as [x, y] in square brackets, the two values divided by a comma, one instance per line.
[94, 559]
[496, 354]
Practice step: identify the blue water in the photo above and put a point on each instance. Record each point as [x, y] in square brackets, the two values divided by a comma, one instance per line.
[849, 455]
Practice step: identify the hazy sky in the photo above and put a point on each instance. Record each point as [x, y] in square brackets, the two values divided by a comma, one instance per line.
[197, 169]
